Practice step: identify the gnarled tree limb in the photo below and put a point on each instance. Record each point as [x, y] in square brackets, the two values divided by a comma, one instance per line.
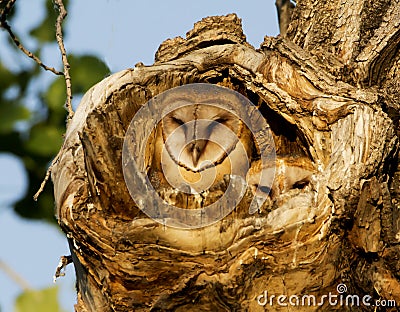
[306, 242]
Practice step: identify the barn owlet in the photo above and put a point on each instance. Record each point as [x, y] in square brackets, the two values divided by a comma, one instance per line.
[276, 178]
[196, 145]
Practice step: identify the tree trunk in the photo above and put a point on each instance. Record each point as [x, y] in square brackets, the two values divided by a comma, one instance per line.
[329, 91]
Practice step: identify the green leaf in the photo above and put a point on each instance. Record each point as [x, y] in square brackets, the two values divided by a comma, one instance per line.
[55, 98]
[44, 140]
[46, 31]
[7, 78]
[56, 95]
[86, 70]
[44, 300]
[43, 208]
[10, 113]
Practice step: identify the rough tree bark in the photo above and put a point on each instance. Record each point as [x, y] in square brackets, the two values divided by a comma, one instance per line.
[329, 87]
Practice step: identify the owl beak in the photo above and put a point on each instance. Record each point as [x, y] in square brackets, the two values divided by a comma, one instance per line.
[196, 150]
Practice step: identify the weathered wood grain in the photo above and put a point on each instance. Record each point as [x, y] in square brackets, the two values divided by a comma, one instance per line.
[341, 228]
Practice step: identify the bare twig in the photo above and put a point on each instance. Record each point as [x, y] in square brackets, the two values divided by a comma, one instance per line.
[14, 276]
[3, 23]
[59, 36]
[9, 5]
[285, 10]
[46, 178]
[60, 270]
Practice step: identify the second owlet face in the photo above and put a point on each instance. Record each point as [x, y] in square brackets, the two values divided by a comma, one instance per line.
[197, 145]
[284, 174]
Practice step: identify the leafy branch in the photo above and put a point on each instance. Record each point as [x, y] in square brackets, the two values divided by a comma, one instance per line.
[4, 24]
[62, 13]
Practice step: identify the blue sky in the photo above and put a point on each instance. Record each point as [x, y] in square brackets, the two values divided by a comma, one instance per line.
[121, 33]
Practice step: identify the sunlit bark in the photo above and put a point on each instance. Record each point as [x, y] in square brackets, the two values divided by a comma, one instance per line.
[329, 89]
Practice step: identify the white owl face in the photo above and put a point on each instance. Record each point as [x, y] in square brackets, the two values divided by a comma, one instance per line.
[199, 136]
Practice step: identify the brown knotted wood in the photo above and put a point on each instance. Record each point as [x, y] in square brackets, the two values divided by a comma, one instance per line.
[342, 228]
